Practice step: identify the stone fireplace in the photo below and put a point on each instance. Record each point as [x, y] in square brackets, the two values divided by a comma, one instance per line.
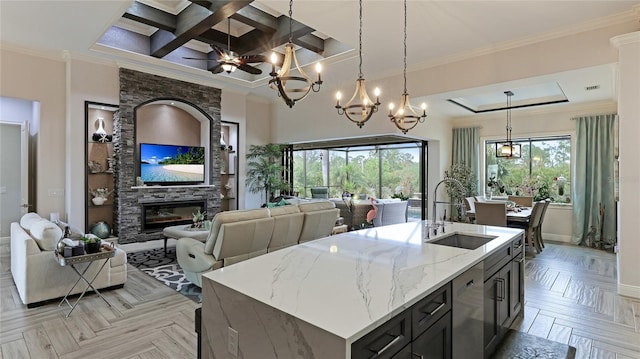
[138, 89]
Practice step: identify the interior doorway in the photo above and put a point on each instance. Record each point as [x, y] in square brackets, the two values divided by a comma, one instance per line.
[18, 123]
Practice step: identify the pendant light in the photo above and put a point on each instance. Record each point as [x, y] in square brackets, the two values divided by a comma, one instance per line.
[406, 118]
[292, 88]
[508, 149]
[359, 112]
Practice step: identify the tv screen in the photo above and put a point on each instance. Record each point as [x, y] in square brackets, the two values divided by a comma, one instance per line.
[169, 164]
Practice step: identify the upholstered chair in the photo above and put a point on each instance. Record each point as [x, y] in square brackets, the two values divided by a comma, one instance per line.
[491, 213]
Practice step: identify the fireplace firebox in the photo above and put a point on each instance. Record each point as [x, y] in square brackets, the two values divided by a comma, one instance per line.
[159, 215]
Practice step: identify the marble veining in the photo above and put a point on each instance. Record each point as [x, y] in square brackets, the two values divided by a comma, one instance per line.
[350, 283]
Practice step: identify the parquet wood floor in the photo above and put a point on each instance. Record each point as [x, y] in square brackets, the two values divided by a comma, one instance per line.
[570, 298]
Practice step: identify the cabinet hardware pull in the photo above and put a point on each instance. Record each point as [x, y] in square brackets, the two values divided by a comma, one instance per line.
[470, 283]
[391, 343]
[417, 355]
[430, 314]
[499, 289]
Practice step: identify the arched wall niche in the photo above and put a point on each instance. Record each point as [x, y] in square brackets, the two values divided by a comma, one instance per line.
[202, 103]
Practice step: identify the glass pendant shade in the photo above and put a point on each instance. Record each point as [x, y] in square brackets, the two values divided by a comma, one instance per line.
[508, 149]
[229, 68]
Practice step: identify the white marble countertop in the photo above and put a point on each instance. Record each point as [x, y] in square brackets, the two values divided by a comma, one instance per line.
[349, 284]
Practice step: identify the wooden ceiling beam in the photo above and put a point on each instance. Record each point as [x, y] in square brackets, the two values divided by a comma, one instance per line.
[310, 42]
[257, 19]
[193, 21]
[151, 16]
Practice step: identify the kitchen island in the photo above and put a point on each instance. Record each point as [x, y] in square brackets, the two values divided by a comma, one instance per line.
[316, 299]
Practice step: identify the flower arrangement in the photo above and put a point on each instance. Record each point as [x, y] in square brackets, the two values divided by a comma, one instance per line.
[198, 219]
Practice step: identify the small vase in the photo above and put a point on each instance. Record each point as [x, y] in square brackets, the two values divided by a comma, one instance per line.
[101, 135]
[98, 201]
[92, 247]
[488, 194]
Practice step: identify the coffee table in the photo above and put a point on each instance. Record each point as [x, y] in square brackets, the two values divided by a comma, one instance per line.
[185, 230]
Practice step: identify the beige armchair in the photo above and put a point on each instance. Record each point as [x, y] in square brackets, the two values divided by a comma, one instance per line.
[491, 213]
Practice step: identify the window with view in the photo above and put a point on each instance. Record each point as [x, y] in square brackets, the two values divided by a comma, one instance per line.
[543, 171]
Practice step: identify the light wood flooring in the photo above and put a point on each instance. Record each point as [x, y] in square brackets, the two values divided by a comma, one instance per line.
[570, 297]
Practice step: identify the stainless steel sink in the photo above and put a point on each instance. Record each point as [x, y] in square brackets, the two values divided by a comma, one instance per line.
[466, 241]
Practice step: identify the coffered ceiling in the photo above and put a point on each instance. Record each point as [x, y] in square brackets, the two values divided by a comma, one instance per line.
[155, 35]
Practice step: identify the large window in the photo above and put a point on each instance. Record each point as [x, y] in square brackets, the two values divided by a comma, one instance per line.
[377, 171]
[544, 170]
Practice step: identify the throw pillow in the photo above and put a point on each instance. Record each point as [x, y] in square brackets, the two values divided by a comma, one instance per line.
[282, 202]
[46, 234]
[28, 220]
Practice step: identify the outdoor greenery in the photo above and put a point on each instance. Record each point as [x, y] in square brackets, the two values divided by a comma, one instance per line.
[376, 172]
[536, 173]
[264, 170]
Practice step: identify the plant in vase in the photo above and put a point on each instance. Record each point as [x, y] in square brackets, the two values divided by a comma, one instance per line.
[198, 219]
[91, 243]
[100, 195]
[492, 184]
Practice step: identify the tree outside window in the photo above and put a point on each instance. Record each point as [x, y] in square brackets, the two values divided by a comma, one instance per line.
[543, 171]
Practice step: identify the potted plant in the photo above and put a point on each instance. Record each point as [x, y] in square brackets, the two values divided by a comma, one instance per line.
[264, 170]
[91, 243]
[468, 180]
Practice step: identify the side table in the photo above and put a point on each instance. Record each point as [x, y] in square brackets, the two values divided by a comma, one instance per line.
[105, 253]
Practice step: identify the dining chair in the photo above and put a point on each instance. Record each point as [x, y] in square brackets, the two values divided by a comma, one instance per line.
[522, 201]
[491, 213]
[532, 227]
[470, 203]
[539, 229]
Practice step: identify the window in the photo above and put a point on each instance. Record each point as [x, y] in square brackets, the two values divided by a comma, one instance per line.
[543, 171]
[378, 171]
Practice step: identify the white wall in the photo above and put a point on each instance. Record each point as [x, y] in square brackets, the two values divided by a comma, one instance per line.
[43, 80]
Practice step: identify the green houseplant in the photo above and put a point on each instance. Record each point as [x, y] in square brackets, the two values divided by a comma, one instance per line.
[91, 243]
[265, 169]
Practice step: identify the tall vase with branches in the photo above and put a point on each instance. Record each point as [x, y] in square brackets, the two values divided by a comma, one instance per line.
[265, 169]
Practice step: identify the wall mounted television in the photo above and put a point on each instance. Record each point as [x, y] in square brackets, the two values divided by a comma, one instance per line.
[171, 165]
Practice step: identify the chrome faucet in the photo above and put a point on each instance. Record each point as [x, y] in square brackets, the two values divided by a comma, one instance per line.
[435, 201]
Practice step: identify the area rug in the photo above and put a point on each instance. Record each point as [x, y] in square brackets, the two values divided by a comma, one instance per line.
[519, 345]
[165, 268]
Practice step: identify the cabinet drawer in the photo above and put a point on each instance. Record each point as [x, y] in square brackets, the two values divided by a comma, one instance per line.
[497, 260]
[518, 246]
[386, 340]
[430, 309]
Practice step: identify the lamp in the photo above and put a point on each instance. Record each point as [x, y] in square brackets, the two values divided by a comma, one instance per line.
[508, 149]
[406, 116]
[359, 113]
[299, 86]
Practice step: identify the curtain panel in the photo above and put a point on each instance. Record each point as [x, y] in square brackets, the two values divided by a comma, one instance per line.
[594, 208]
[466, 149]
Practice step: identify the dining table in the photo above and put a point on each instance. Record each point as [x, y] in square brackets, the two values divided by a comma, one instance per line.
[518, 214]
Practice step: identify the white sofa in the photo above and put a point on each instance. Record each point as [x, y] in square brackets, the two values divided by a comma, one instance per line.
[239, 235]
[37, 274]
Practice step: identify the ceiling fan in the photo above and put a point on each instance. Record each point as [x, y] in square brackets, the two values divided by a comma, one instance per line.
[229, 61]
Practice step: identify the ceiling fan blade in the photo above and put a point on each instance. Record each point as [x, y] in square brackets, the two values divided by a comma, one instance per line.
[250, 69]
[199, 58]
[248, 59]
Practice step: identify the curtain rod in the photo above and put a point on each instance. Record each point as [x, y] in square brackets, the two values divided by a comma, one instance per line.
[598, 114]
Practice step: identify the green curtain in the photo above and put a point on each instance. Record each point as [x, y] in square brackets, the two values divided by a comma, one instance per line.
[466, 149]
[593, 173]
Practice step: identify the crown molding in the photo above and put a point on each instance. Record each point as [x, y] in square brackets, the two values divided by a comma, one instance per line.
[56, 55]
[626, 39]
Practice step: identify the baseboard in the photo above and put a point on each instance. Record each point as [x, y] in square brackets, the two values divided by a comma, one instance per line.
[629, 290]
[556, 237]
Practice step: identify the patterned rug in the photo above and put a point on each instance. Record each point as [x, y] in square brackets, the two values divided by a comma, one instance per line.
[165, 269]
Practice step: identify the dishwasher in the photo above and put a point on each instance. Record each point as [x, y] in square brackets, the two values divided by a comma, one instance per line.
[468, 313]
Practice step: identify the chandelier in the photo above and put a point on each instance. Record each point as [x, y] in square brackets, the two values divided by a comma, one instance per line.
[406, 117]
[359, 112]
[508, 149]
[291, 88]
